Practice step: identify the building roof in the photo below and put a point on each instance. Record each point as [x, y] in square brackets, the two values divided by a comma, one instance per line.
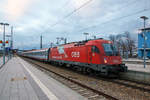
[148, 28]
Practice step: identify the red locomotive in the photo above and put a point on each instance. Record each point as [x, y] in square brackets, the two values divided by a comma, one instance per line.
[93, 56]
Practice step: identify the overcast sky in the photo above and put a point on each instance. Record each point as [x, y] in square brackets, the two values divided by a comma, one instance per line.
[31, 18]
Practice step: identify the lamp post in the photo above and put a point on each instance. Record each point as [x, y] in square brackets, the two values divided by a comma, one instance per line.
[94, 36]
[144, 18]
[64, 39]
[41, 41]
[4, 24]
[57, 40]
[51, 44]
[11, 44]
[86, 35]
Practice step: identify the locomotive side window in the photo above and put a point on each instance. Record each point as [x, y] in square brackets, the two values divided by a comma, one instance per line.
[95, 49]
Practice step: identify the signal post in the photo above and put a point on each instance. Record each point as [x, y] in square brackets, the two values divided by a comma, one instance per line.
[4, 24]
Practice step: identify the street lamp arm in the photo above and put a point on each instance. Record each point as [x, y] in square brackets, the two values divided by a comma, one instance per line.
[4, 24]
[144, 17]
[1, 23]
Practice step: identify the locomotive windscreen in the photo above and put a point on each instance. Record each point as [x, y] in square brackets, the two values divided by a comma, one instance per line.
[110, 50]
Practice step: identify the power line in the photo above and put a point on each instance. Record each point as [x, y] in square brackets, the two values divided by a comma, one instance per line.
[74, 11]
[65, 4]
[71, 13]
[128, 4]
[119, 18]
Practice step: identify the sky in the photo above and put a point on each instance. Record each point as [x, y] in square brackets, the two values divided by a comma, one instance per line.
[70, 19]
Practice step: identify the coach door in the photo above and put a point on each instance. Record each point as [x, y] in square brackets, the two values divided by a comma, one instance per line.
[89, 54]
[95, 55]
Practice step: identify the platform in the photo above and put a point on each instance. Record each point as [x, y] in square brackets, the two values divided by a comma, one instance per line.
[133, 66]
[135, 59]
[138, 67]
[19, 80]
[136, 70]
[1, 60]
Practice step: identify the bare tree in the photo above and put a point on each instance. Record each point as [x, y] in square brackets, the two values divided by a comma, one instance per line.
[130, 43]
[118, 42]
[124, 42]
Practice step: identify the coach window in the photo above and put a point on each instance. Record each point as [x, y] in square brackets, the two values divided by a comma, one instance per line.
[95, 49]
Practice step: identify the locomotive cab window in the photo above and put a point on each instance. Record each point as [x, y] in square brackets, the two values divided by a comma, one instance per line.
[110, 49]
[95, 49]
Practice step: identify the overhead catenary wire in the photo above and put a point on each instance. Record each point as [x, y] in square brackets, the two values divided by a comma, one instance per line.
[68, 15]
[84, 4]
[71, 13]
[116, 19]
[128, 4]
[74, 11]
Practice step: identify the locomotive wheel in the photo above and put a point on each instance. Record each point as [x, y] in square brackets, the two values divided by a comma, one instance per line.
[77, 68]
[55, 64]
[61, 64]
[84, 70]
[89, 71]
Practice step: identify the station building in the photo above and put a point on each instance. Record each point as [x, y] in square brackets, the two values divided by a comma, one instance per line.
[141, 43]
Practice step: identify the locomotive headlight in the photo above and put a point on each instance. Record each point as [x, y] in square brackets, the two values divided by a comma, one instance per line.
[105, 61]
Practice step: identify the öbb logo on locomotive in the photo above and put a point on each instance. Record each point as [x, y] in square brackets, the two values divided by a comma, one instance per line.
[75, 54]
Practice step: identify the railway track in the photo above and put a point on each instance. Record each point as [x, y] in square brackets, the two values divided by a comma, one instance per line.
[145, 87]
[94, 88]
[86, 91]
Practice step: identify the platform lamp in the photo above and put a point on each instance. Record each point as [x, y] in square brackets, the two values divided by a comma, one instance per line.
[4, 24]
[144, 18]
[86, 35]
[41, 41]
[57, 40]
[94, 36]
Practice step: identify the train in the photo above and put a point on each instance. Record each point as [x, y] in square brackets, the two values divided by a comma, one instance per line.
[96, 56]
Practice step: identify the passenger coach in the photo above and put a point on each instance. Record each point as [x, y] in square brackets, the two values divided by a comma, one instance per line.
[41, 54]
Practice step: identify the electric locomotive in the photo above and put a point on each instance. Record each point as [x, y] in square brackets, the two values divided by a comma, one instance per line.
[97, 56]
[93, 56]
